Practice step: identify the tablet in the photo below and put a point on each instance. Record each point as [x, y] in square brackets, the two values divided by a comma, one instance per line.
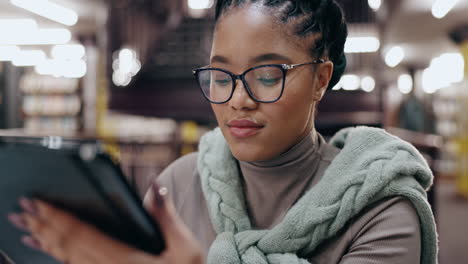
[75, 175]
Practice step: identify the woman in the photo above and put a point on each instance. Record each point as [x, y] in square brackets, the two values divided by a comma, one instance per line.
[265, 187]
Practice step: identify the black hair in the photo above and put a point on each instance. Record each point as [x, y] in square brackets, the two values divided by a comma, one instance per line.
[322, 17]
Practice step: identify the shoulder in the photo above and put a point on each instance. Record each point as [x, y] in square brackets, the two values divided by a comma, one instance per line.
[396, 212]
[179, 176]
[179, 170]
[387, 231]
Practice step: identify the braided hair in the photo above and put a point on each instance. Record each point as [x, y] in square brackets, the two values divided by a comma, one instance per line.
[324, 18]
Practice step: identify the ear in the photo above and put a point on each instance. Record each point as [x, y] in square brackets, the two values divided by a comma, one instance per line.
[324, 73]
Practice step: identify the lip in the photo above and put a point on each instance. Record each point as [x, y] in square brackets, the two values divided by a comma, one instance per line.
[243, 128]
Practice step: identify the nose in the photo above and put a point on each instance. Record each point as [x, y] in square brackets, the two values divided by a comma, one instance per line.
[241, 99]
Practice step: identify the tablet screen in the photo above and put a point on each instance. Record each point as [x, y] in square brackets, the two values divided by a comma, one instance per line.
[78, 178]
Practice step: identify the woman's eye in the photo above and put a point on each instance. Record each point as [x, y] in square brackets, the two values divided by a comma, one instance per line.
[222, 82]
[269, 81]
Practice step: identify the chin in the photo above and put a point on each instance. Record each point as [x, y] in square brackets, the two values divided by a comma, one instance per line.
[250, 152]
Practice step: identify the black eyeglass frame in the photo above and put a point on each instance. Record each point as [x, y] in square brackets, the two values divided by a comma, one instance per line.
[283, 67]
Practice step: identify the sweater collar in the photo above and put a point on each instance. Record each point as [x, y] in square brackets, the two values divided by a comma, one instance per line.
[295, 154]
[286, 177]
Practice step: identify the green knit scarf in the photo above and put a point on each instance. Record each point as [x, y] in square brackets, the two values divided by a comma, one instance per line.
[371, 166]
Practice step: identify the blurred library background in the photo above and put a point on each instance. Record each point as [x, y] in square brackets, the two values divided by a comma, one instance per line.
[121, 71]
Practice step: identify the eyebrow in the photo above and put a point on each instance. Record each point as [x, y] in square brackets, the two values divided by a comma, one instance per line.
[269, 57]
[258, 59]
[220, 59]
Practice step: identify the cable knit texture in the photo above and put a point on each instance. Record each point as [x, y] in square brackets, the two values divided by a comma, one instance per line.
[371, 165]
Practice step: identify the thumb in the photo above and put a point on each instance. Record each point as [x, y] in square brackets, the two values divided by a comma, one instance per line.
[163, 212]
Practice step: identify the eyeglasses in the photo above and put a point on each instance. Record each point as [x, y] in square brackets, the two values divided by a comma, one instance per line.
[264, 83]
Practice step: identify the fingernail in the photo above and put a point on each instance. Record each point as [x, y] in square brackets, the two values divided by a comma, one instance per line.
[18, 221]
[29, 206]
[159, 194]
[31, 242]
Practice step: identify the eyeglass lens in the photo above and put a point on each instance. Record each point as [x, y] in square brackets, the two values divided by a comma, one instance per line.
[265, 83]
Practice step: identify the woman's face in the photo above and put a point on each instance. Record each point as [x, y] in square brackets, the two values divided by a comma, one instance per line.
[246, 37]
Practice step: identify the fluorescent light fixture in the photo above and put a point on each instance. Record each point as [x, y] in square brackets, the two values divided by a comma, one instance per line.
[49, 36]
[374, 4]
[430, 81]
[337, 86]
[361, 44]
[75, 69]
[440, 8]
[350, 82]
[405, 83]
[68, 51]
[26, 32]
[394, 56]
[62, 68]
[367, 84]
[13, 25]
[8, 53]
[47, 67]
[443, 71]
[125, 67]
[29, 58]
[121, 79]
[200, 4]
[49, 10]
[452, 66]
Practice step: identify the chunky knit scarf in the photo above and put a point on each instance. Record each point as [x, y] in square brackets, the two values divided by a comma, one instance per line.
[371, 166]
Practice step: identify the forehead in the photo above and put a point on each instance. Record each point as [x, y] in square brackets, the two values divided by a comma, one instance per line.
[246, 31]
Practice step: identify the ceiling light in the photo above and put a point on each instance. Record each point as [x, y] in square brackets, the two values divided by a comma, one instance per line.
[29, 58]
[69, 51]
[62, 68]
[125, 67]
[430, 82]
[48, 36]
[13, 25]
[444, 70]
[337, 86]
[200, 4]
[451, 66]
[394, 56]
[49, 10]
[8, 53]
[440, 8]
[368, 84]
[374, 4]
[361, 44]
[47, 67]
[26, 32]
[75, 69]
[405, 83]
[350, 82]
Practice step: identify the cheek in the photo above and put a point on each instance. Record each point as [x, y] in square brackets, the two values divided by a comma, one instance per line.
[218, 110]
[292, 115]
[297, 102]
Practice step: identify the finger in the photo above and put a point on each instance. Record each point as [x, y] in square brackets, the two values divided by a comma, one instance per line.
[18, 221]
[163, 212]
[59, 234]
[55, 217]
[31, 242]
[43, 237]
[75, 242]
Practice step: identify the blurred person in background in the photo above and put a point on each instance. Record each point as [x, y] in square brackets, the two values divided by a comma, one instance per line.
[265, 187]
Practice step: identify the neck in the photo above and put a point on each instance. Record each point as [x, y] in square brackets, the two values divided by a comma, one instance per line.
[307, 144]
[278, 182]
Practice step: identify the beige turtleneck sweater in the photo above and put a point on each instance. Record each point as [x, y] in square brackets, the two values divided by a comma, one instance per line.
[387, 232]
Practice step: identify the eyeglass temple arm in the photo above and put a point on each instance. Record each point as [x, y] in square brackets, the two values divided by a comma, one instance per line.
[290, 66]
